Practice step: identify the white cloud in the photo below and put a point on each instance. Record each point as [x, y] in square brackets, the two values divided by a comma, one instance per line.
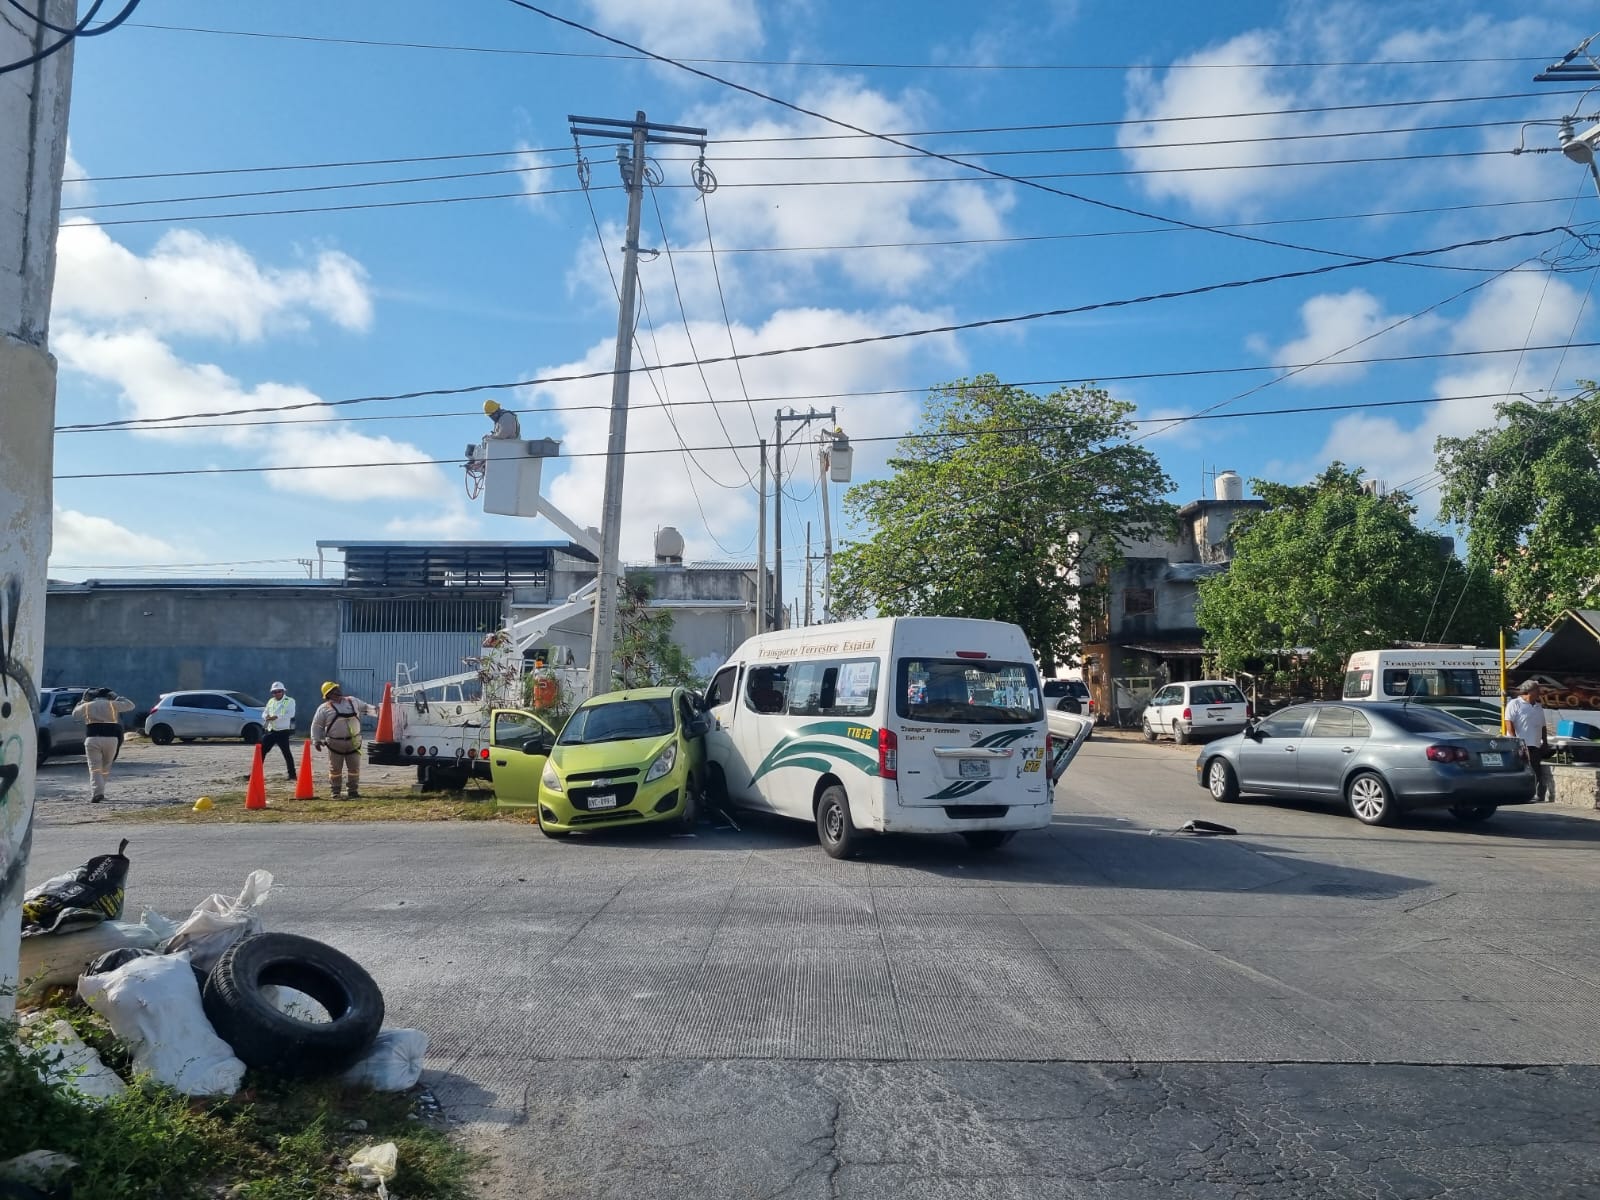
[197, 285]
[1336, 326]
[658, 490]
[73, 192]
[679, 28]
[88, 540]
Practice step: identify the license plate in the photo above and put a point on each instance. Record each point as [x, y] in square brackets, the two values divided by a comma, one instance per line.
[1217, 714]
[974, 768]
[602, 800]
[1496, 759]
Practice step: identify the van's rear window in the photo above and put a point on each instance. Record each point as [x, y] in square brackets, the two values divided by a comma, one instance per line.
[967, 691]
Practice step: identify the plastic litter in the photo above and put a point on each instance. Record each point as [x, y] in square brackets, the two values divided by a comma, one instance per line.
[71, 1061]
[87, 896]
[153, 1004]
[58, 959]
[374, 1166]
[219, 921]
[393, 1064]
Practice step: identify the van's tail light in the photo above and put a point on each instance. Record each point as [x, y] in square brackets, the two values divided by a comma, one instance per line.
[1448, 754]
[1249, 710]
[888, 754]
[1091, 703]
[1188, 715]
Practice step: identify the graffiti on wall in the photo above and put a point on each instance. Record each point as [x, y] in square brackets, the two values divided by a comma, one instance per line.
[17, 697]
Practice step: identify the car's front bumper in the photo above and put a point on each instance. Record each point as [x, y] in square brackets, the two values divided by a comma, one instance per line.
[660, 800]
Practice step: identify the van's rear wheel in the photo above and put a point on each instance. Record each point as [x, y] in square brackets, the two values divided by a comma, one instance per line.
[835, 830]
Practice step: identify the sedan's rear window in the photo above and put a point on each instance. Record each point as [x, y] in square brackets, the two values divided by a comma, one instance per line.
[1414, 719]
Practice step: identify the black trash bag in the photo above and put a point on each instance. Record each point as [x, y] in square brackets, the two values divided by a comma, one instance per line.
[87, 896]
[112, 959]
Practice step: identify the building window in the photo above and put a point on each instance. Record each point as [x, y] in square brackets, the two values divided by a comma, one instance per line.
[1138, 602]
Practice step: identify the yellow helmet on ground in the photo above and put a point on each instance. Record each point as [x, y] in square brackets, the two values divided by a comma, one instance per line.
[329, 688]
[491, 406]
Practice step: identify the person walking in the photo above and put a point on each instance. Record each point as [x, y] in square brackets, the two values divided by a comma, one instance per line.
[336, 727]
[279, 716]
[101, 710]
[1525, 716]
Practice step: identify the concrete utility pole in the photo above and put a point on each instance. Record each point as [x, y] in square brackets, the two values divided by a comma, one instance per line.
[801, 420]
[639, 133]
[33, 148]
[761, 544]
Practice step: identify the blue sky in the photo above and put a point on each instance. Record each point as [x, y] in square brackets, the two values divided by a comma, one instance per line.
[815, 241]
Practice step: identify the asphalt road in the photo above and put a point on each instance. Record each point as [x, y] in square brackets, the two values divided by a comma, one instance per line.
[1101, 1010]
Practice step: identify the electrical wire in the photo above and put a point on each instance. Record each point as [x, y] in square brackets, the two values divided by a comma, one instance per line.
[990, 172]
[870, 339]
[80, 30]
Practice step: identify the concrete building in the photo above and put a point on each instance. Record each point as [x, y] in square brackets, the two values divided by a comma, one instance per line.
[423, 605]
[1143, 632]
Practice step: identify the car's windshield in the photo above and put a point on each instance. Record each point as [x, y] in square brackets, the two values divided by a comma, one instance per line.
[618, 721]
[243, 698]
[1416, 719]
[968, 691]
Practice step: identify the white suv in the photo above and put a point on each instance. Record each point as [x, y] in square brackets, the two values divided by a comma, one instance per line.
[1200, 708]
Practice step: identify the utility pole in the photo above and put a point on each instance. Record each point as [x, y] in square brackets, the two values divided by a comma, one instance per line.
[827, 532]
[807, 620]
[801, 420]
[639, 133]
[33, 148]
[761, 544]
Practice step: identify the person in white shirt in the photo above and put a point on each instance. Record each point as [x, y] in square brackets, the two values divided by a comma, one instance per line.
[279, 715]
[101, 712]
[1525, 717]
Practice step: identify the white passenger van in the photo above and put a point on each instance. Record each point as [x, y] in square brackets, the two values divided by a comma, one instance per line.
[903, 724]
[1464, 682]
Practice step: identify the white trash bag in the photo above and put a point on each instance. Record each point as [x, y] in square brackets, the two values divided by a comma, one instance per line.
[153, 1004]
[218, 922]
[393, 1064]
[70, 1060]
[374, 1166]
[56, 960]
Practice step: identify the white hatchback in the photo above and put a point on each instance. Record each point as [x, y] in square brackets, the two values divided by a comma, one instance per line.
[1199, 708]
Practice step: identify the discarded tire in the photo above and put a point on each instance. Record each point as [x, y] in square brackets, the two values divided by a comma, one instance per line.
[264, 1037]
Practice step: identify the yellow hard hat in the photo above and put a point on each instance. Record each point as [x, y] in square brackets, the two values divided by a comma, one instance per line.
[330, 686]
[491, 406]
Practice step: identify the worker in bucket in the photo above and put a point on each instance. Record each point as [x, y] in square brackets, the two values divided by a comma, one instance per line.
[336, 728]
[279, 716]
[506, 426]
[101, 712]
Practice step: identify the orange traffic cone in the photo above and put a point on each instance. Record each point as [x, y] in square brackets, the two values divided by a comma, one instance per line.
[305, 787]
[255, 796]
[386, 716]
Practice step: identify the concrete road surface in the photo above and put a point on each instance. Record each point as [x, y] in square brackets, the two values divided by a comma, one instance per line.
[1100, 1010]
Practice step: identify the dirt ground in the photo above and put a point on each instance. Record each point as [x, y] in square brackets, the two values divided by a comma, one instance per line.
[146, 775]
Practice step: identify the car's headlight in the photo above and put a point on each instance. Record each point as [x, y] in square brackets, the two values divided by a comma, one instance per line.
[663, 763]
[550, 779]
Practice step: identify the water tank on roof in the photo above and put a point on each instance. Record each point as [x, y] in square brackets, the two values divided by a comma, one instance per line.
[1229, 486]
[669, 545]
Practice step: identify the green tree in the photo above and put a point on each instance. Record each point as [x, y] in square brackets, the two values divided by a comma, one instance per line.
[1528, 493]
[993, 505]
[646, 655]
[1330, 569]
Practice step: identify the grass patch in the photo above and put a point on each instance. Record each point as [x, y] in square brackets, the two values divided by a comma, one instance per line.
[276, 1140]
[381, 804]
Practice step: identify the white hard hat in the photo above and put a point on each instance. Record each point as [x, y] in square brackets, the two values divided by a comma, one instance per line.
[277, 687]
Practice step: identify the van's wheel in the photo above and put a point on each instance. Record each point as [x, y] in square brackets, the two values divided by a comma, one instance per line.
[44, 748]
[1221, 782]
[989, 839]
[1149, 733]
[1371, 801]
[1178, 735]
[835, 830]
[161, 735]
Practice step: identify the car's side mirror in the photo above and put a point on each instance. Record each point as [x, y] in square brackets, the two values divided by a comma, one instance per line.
[698, 727]
[1252, 730]
[536, 745]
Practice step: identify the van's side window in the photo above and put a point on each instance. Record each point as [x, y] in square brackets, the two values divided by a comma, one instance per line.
[765, 688]
[722, 686]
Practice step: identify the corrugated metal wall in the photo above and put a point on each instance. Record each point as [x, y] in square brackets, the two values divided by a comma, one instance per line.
[367, 660]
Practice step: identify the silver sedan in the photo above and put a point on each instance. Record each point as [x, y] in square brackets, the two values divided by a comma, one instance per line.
[1378, 759]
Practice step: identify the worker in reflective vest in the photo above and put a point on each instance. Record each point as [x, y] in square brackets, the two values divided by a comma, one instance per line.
[336, 727]
[101, 711]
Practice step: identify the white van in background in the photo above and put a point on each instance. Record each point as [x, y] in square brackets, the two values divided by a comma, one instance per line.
[903, 724]
[1465, 683]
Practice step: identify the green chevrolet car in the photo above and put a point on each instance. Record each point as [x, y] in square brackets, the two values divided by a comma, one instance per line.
[632, 757]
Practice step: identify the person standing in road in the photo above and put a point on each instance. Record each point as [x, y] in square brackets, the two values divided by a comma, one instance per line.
[101, 710]
[279, 716]
[1525, 716]
[336, 727]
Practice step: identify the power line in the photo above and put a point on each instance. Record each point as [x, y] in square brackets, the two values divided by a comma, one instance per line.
[890, 437]
[905, 145]
[839, 66]
[68, 35]
[869, 339]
